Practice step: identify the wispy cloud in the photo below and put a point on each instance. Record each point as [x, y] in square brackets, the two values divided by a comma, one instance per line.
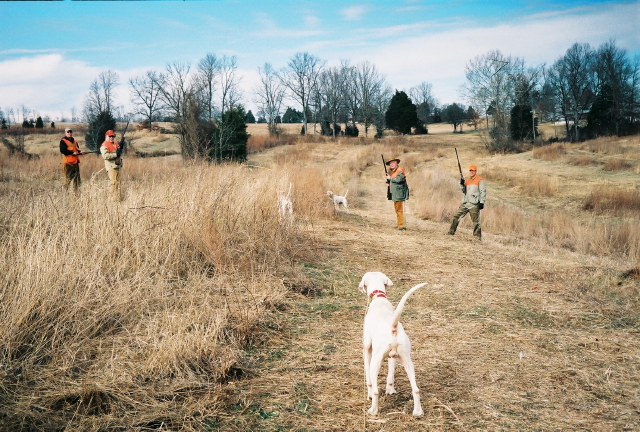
[267, 28]
[353, 13]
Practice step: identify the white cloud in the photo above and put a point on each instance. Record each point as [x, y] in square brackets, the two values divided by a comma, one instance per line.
[49, 81]
[353, 13]
[440, 58]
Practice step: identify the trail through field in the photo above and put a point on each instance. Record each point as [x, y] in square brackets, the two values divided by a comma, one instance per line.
[501, 339]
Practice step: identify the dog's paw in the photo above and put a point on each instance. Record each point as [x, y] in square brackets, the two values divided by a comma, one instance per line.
[373, 411]
[418, 412]
[391, 389]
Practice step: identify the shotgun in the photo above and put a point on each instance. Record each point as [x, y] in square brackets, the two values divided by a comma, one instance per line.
[388, 182]
[121, 145]
[460, 169]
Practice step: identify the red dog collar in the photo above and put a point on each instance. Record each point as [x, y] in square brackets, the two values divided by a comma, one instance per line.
[378, 293]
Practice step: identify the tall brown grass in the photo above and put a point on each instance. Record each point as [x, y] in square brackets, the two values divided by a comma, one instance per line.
[551, 152]
[438, 196]
[535, 185]
[620, 202]
[150, 300]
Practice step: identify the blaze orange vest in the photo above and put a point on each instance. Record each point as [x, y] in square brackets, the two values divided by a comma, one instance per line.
[473, 181]
[71, 146]
[111, 146]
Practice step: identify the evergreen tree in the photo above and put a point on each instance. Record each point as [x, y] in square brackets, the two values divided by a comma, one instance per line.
[98, 127]
[39, 123]
[3, 123]
[292, 116]
[402, 114]
[521, 125]
[455, 115]
[26, 124]
[229, 139]
[53, 125]
[250, 119]
[262, 120]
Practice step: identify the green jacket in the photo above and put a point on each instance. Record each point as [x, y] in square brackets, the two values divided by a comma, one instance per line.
[399, 187]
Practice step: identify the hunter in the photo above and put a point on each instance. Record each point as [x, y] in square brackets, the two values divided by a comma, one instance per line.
[475, 194]
[70, 159]
[397, 179]
[111, 153]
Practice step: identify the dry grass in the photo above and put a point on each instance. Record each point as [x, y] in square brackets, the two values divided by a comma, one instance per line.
[614, 200]
[176, 309]
[535, 185]
[551, 152]
[169, 286]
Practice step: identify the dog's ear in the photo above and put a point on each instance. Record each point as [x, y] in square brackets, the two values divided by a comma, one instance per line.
[387, 282]
[362, 286]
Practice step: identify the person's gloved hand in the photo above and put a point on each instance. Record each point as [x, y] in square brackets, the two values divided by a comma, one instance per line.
[461, 182]
[481, 206]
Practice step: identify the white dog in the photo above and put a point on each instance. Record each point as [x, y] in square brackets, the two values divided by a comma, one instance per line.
[339, 200]
[285, 205]
[384, 334]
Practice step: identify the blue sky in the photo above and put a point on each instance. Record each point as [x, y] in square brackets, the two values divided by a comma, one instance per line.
[51, 51]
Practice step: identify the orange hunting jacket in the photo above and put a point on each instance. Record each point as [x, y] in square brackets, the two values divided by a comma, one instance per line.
[71, 147]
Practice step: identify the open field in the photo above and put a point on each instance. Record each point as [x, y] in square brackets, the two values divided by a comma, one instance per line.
[192, 306]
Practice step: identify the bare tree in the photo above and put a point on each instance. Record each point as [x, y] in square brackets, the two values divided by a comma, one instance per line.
[100, 96]
[615, 83]
[229, 93]
[331, 88]
[351, 94]
[301, 78]
[269, 96]
[369, 83]
[179, 91]
[209, 70]
[490, 85]
[422, 96]
[145, 95]
[571, 78]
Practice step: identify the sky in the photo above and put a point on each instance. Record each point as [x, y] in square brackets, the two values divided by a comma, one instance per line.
[50, 52]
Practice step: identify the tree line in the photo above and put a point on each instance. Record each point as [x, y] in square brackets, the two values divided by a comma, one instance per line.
[593, 91]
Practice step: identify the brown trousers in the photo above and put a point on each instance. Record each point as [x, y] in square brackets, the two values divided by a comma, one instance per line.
[399, 207]
[475, 218]
[72, 175]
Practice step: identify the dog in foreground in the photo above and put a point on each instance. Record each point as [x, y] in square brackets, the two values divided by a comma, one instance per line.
[384, 335]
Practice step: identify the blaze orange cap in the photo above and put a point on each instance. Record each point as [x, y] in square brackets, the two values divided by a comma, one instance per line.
[110, 133]
[473, 167]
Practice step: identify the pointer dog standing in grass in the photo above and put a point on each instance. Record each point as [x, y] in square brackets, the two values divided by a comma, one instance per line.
[339, 200]
[384, 335]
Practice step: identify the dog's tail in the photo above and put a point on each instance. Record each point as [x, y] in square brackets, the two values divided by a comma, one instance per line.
[400, 307]
[289, 193]
[345, 194]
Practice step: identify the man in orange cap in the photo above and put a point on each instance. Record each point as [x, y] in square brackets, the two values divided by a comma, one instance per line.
[70, 159]
[475, 194]
[111, 153]
[397, 179]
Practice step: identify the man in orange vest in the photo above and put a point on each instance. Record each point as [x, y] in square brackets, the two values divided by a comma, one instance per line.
[475, 194]
[111, 153]
[397, 179]
[70, 159]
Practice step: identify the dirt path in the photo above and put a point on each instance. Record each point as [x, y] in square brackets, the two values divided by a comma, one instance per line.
[501, 340]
